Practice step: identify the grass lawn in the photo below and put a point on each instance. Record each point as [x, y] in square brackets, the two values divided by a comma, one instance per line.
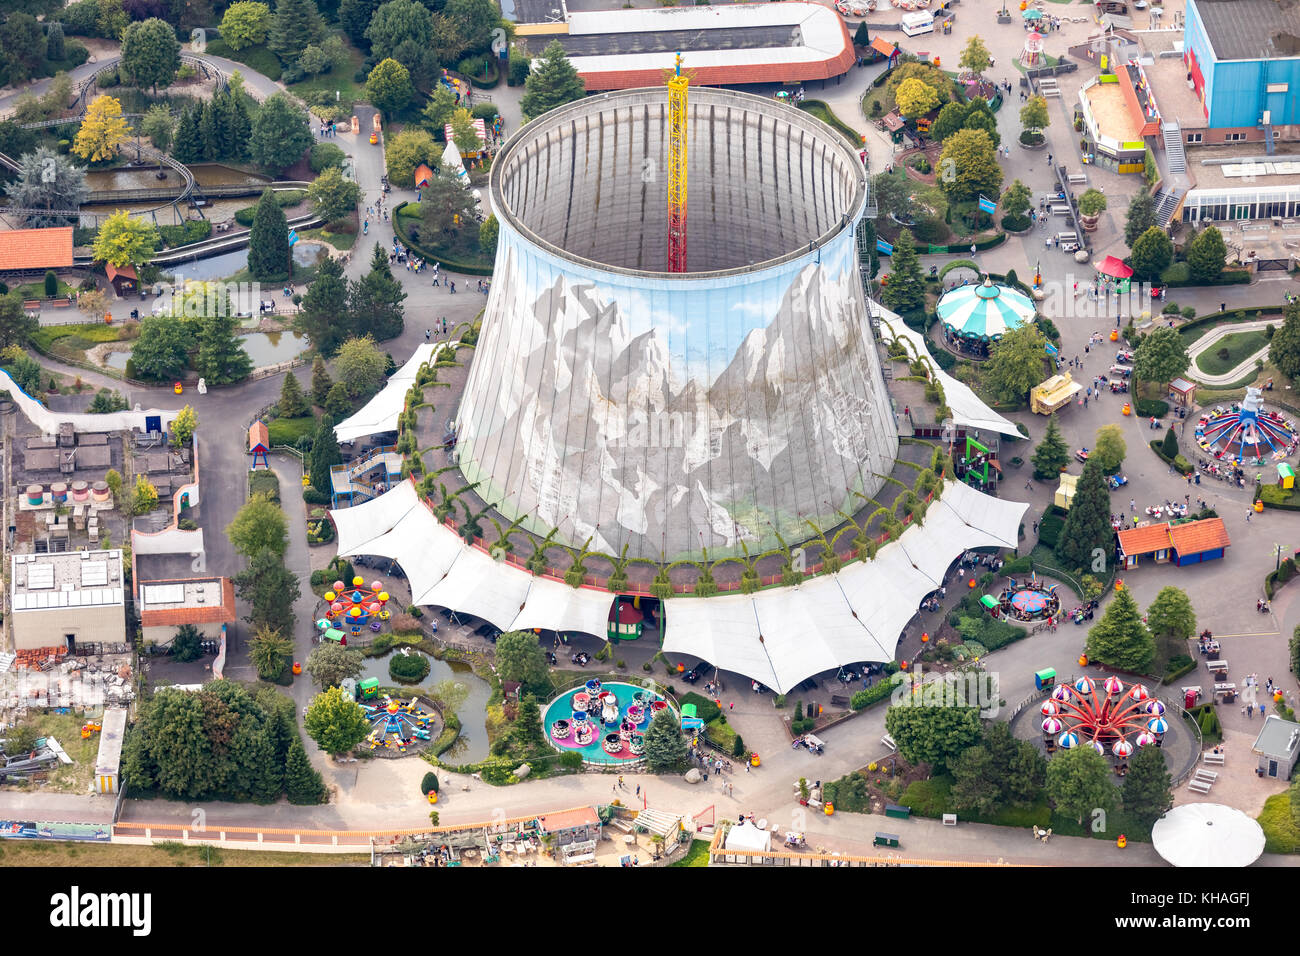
[1240, 345]
[1281, 835]
[339, 240]
[697, 855]
[66, 729]
[721, 734]
[461, 251]
[19, 853]
[36, 290]
[824, 113]
[1048, 59]
[72, 341]
[287, 431]
[339, 80]
[259, 57]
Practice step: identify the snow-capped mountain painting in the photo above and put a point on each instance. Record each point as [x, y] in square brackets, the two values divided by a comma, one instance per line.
[676, 415]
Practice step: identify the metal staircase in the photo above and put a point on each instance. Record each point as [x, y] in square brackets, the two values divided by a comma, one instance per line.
[1175, 158]
[1166, 202]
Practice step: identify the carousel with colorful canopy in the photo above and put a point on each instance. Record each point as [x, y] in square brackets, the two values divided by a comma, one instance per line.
[1103, 715]
[1246, 434]
[350, 609]
[984, 312]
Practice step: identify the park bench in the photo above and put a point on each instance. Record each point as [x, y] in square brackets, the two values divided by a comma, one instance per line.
[1211, 757]
[839, 700]
[950, 819]
[1059, 209]
[1077, 178]
[59, 303]
[1209, 776]
[32, 305]
[1217, 668]
[1198, 786]
[888, 741]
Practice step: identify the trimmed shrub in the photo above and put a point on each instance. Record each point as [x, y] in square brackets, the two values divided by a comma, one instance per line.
[1151, 407]
[429, 783]
[408, 668]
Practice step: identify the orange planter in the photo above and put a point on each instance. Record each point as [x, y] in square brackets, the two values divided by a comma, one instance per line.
[297, 668]
[1114, 335]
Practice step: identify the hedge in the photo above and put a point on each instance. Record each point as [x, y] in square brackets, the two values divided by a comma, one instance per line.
[705, 709]
[194, 230]
[944, 359]
[1275, 497]
[1178, 667]
[822, 111]
[872, 695]
[1151, 407]
[1181, 464]
[1228, 277]
[1016, 223]
[1049, 531]
[1275, 579]
[450, 265]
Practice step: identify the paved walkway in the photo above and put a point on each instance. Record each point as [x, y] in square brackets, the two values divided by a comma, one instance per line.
[1211, 340]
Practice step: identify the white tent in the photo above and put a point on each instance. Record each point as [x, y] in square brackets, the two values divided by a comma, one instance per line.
[554, 606]
[451, 157]
[746, 836]
[380, 414]
[362, 524]
[1207, 834]
[967, 407]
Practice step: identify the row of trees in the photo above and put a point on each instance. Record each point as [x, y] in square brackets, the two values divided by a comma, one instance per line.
[1125, 640]
[335, 309]
[259, 532]
[199, 333]
[217, 129]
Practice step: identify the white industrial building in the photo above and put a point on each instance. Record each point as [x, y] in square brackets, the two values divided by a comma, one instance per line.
[68, 598]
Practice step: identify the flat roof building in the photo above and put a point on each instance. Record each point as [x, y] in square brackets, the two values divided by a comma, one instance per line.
[65, 599]
[1278, 746]
[207, 603]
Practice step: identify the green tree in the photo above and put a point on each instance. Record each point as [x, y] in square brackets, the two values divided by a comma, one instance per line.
[1207, 255]
[389, 86]
[355, 17]
[403, 31]
[55, 49]
[21, 46]
[332, 196]
[1147, 790]
[335, 722]
[159, 126]
[974, 786]
[313, 61]
[282, 131]
[406, 150]
[1015, 363]
[474, 21]
[975, 56]
[665, 750]
[463, 133]
[1120, 639]
[863, 36]
[915, 98]
[520, 657]
[950, 119]
[257, 525]
[49, 185]
[221, 357]
[186, 644]
[1017, 200]
[294, 25]
[979, 116]
[927, 73]
[183, 427]
[437, 112]
[324, 317]
[188, 147]
[267, 650]
[302, 783]
[320, 381]
[270, 589]
[1151, 254]
[1109, 448]
[445, 205]
[1161, 356]
[112, 19]
[1172, 620]
[329, 664]
[145, 496]
[151, 55]
[360, 367]
[325, 454]
[906, 288]
[169, 749]
[968, 166]
[1034, 116]
[293, 403]
[337, 403]
[1016, 764]
[123, 240]
[209, 135]
[488, 233]
[246, 24]
[268, 241]
[1078, 782]
[161, 351]
[1141, 216]
[933, 735]
[553, 82]
[1052, 454]
[1087, 529]
[893, 192]
[378, 297]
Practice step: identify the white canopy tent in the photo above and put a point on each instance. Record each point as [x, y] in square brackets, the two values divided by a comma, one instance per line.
[1207, 834]
[746, 836]
[380, 414]
[967, 407]
[362, 524]
[554, 606]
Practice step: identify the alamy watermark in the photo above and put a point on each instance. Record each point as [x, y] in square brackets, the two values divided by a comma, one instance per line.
[967, 688]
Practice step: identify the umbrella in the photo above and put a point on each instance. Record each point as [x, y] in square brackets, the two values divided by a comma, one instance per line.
[1156, 708]
[1110, 266]
[1122, 748]
[984, 311]
[1052, 725]
[1207, 834]
[1030, 602]
[1068, 740]
[1032, 14]
[1139, 692]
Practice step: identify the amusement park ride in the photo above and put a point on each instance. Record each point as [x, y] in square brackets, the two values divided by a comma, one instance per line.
[677, 90]
[1246, 434]
[1103, 715]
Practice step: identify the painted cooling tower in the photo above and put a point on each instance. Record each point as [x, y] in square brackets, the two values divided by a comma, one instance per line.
[617, 402]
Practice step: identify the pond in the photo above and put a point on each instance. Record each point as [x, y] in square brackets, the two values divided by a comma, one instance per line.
[472, 745]
[264, 348]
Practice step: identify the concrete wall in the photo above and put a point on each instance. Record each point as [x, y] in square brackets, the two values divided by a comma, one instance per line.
[47, 628]
[165, 633]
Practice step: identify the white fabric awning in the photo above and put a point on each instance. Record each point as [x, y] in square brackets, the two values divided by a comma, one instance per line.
[380, 414]
[554, 606]
[722, 630]
[374, 518]
[967, 407]
[477, 585]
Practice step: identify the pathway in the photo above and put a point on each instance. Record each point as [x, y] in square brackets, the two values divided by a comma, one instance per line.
[1211, 339]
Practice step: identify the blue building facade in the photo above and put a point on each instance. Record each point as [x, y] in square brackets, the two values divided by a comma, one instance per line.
[1237, 68]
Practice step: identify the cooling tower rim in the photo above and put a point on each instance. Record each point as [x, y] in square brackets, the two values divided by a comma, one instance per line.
[704, 95]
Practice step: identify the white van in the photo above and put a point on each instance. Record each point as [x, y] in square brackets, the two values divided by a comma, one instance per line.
[914, 24]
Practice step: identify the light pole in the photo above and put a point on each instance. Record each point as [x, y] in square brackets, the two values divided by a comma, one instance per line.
[1277, 554]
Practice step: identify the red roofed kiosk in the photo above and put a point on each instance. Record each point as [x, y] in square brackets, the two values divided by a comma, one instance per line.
[259, 442]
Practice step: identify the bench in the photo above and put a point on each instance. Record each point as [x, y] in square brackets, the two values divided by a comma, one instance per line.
[901, 813]
[888, 742]
[1211, 757]
[1209, 776]
[885, 839]
[839, 700]
[1077, 178]
[1067, 236]
[1198, 786]
[1059, 209]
